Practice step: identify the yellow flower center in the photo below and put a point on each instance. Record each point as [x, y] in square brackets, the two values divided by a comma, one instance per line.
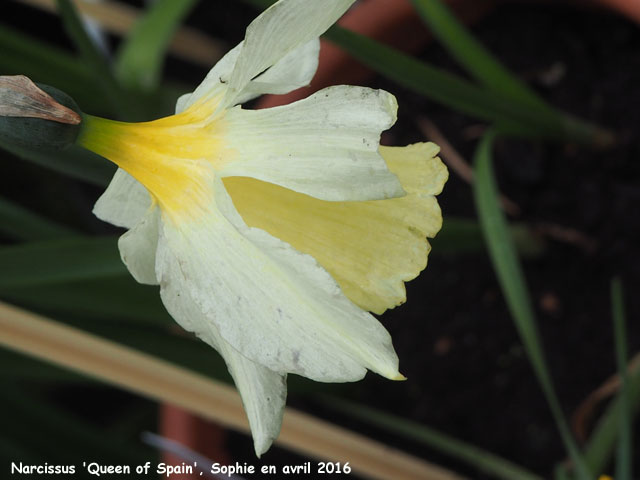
[173, 157]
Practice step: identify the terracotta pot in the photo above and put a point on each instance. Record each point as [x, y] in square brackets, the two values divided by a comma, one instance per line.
[629, 8]
[199, 435]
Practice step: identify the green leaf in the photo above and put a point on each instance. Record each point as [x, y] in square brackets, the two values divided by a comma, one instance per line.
[448, 89]
[427, 80]
[20, 223]
[473, 56]
[56, 261]
[114, 298]
[514, 117]
[623, 459]
[22, 55]
[602, 441]
[95, 60]
[75, 162]
[140, 60]
[484, 461]
[459, 235]
[507, 267]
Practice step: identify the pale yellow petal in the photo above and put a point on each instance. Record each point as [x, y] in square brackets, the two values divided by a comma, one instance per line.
[370, 248]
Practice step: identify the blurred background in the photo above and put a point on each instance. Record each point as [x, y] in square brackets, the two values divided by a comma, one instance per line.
[508, 337]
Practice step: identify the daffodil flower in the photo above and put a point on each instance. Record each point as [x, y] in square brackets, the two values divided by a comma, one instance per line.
[273, 233]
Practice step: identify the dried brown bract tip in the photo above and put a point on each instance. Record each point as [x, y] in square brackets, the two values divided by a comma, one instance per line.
[20, 97]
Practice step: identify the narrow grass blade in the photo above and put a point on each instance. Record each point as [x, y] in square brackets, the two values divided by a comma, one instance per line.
[505, 262]
[623, 459]
[517, 119]
[21, 223]
[603, 439]
[157, 379]
[484, 461]
[140, 60]
[473, 56]
[62, 260]
[427, 80]
[95, 60]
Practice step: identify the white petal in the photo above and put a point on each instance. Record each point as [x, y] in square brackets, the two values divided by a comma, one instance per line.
[138, 248]
[214, 82]
[124, 202]
[325, 145]
[263, 391]
[281, 28]
[273, 304]
[183, 102]
[294, 70]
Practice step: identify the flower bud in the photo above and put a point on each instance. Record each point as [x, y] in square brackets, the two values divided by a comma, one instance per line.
[36, 116]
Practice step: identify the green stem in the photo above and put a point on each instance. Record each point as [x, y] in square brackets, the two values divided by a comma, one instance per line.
[623, 460]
